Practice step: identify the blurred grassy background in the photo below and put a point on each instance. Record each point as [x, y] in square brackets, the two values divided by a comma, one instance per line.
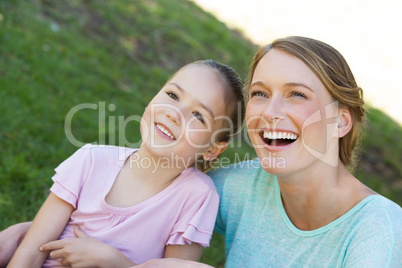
[366, 32]
[56, 55]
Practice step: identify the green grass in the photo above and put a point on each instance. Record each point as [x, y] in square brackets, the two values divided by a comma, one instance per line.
[55, 55]
[380, 164]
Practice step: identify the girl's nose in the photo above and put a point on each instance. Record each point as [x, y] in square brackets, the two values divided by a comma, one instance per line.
[174, 115]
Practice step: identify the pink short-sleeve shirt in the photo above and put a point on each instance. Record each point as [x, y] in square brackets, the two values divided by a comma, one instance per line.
[183, 212]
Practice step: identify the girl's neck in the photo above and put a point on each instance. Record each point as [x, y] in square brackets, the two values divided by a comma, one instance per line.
[314, 199]
[142, 177]
[147, 167]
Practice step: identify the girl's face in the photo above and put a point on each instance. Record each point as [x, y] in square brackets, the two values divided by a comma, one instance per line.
[180, 121]
[291, 117]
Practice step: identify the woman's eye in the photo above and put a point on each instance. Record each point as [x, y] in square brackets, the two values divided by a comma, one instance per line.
[258, 94]
[172, 96]
[199, 117]
[298, 94]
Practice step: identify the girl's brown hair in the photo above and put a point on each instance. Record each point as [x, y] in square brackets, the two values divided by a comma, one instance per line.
[334, 72]
[234, 101]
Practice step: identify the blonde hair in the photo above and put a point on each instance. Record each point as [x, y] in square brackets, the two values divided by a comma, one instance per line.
[334, 72]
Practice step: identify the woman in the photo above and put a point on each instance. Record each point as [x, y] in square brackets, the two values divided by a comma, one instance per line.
[310, 211]
[298, 204]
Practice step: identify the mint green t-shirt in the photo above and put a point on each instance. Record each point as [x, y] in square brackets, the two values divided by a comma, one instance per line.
[258, 232]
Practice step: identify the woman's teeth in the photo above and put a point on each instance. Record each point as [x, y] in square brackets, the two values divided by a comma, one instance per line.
[165, 131]
[279, 135]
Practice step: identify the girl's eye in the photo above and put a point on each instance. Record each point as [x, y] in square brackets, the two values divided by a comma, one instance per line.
[172, 96]
[298, 94]
[258, 94]
[199, 117]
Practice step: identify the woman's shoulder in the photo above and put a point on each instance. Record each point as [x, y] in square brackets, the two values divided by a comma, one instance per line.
[381, 205]
[247, 177]
[379, 212]
[238, 169]
[245, 171]
[376, 230]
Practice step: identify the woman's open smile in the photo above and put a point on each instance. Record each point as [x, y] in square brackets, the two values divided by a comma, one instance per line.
[277, 137]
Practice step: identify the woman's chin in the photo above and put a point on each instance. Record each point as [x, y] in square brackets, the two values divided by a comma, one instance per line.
[273, 165]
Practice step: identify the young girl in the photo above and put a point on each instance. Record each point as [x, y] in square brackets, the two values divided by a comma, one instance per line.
[149, 202]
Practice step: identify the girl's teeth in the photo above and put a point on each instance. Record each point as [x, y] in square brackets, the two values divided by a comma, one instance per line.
[165, 131]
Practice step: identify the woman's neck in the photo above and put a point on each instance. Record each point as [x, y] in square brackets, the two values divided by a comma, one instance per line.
[314, 199]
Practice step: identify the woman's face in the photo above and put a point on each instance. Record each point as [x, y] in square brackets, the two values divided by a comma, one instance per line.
[291, 117]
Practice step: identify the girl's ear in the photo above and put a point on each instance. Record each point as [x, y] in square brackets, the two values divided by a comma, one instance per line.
[215, 150]
[345, 122]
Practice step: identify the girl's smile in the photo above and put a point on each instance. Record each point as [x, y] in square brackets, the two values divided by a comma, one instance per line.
[164, 132]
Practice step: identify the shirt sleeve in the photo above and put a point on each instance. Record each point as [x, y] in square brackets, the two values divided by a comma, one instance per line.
[71, 175]
[378, 242]
[197, 222]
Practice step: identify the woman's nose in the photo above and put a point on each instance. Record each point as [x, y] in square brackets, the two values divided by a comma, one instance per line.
[274, 110]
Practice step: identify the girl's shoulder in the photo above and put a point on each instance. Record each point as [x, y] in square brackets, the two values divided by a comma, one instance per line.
[107, 152]
[101, 148]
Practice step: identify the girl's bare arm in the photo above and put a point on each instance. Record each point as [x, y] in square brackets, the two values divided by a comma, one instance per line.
[191, 252]
[47, 226]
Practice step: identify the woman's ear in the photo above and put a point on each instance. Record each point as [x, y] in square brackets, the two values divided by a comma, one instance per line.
[215, 150]
[345, 122]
